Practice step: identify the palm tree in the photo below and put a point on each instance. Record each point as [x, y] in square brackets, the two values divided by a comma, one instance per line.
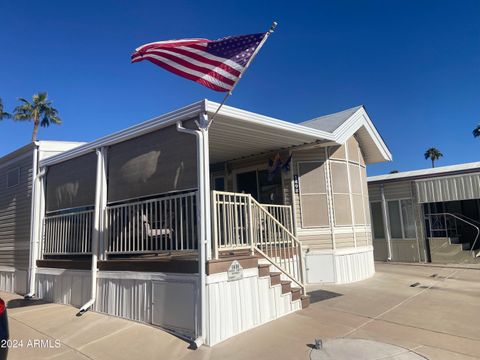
[3, 114]
[476, 131]
[40, 111]
[433, 154]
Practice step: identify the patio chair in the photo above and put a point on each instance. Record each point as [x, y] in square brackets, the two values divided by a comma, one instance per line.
[154, 232]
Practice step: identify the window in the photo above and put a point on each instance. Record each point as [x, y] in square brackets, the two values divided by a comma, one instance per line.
[13, 177]
[377, 220]
[313, 194]
[218, 183]
[408, 219]
[341, 193]
[401, 219]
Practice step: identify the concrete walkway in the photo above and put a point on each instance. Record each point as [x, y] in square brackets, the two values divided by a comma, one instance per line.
[433, 312]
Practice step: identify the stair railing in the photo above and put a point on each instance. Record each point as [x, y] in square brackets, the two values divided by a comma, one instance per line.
[239, 222]
[445, 214]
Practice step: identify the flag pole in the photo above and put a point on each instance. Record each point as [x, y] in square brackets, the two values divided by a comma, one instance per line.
[267, 34]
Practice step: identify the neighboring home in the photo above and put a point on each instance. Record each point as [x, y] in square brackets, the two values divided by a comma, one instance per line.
[430, 215]
[16, 184]
[206, 229]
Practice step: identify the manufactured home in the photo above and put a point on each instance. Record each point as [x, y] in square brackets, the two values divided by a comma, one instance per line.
[430, 215]
[17, 171]
[205, 228]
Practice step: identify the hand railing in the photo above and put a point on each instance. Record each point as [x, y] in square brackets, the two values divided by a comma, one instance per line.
[455, 217]
[240, 222]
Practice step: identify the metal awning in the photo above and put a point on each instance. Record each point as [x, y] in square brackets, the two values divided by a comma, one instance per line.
[233, 137]
[448, 188]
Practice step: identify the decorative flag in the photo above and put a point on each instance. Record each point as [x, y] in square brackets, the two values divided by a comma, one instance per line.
[216, 64]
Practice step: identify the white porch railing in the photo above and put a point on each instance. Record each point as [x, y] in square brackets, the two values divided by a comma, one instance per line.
[283, 213]
[240, 222]
[167, 223]
[68, 234]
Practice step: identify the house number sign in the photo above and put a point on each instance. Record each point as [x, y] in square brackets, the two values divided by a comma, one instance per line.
[235, 271]
[296, 186]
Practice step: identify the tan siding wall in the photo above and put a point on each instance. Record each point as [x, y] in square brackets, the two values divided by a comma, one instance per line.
[15, 207]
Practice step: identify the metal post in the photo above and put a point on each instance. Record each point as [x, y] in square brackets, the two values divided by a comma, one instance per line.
[250, 226]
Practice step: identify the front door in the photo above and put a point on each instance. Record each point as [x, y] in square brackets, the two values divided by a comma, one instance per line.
[247, 183]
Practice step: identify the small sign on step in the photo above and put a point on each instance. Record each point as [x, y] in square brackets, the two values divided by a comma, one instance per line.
[235, 271]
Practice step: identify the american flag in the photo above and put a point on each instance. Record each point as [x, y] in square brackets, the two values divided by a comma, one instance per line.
[216, 64]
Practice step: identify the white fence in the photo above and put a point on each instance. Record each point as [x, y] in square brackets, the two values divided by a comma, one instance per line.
[167, 223]
[68, 234]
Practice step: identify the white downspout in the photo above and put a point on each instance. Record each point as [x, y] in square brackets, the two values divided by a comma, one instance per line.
[96, 230]
[203, 193]
[35, 225]
[386, 227]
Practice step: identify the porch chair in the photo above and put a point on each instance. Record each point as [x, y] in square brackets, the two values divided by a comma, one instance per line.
[154, 232]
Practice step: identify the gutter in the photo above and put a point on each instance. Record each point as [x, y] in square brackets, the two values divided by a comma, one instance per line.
[34, 215]
[99, 190]
[386, 227]
[203, 179]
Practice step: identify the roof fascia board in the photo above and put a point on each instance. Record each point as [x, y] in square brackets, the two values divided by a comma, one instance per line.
[165, 120]
[356, 121]
[254, 118]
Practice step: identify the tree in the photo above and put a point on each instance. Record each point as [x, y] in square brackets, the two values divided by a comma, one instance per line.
[476, 131]
[3, 114]
[433, 154]
[40, 111]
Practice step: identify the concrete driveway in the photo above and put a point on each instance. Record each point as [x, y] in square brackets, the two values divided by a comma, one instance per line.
[430, 311]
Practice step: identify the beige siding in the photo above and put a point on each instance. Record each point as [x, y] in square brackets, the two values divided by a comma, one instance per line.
[316, 241]
[344, 240]
[397, 190]
[15, 208]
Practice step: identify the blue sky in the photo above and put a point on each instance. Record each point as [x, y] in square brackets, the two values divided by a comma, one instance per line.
[415, 65]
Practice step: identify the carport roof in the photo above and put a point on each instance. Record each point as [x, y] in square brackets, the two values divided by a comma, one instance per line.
[237, 133]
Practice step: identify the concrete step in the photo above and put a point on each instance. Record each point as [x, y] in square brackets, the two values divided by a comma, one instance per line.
[442, 251]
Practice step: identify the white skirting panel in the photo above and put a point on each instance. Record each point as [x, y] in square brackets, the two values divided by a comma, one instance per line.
[7, 279]
[339, 266]
[237, 306]
[166, 300]
[63, 286]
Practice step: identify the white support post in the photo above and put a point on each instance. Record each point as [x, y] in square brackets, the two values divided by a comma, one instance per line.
[204, 125]
[203, 215]
[386, 227]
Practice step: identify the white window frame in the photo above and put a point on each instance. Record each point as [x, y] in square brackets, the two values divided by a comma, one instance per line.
[18, 170]
[398, 200]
